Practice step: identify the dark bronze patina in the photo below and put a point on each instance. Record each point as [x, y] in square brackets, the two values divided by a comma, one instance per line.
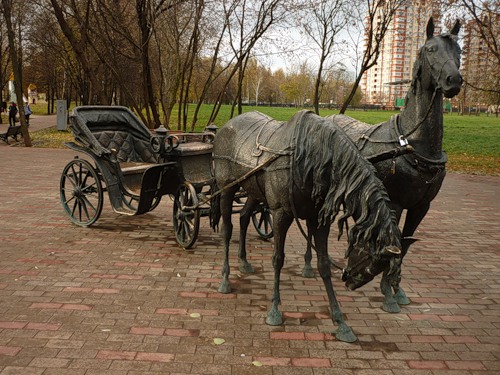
[414, 179]
[306, 168]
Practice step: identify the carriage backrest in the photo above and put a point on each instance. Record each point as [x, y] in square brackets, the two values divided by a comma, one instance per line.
[113, 129]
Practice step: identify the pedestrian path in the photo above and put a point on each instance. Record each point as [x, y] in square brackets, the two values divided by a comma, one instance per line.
[37, 122]
[122, 298]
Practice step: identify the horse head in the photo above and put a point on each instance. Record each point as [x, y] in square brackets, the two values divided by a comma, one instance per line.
[439, 61]
[363, 266]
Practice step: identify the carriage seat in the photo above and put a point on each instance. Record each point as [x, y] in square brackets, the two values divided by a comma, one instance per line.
[193, 148]
[128, 168]
[126, 147]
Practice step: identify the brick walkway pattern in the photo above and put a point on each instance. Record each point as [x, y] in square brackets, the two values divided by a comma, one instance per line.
[122, 298]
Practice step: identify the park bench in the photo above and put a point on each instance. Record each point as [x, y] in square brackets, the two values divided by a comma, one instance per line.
[13, 132]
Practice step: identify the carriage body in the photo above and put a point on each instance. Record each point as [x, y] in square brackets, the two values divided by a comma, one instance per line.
[124, 164]
[193, 157]
[136, 168]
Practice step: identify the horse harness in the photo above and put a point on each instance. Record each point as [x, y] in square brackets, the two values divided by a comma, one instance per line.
[422, 164]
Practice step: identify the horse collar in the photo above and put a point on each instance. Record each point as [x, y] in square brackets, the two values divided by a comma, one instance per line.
[401, 138]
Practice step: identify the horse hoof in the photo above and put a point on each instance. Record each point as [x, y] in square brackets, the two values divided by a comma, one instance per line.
[274, 318]
[307, 272]
[401, 298]
[391, 307]
[345, 334]
[224, 287]
[246, 268]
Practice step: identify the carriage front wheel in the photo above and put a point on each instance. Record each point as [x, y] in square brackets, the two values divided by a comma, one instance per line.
[186, 216]
[81, 192]
[262, 220]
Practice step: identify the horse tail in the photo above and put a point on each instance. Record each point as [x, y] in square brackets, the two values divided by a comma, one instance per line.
[214, 213]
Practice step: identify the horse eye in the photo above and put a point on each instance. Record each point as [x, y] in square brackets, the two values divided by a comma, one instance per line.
[431, 49]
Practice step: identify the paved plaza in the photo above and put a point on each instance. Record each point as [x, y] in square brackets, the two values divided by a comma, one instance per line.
[121, 297]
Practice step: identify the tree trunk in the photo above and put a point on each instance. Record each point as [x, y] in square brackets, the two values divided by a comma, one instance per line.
[79, 50]
[351, 94]
[16, 67]
[142, 7]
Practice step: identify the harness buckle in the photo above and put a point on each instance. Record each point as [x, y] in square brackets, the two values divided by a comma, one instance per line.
[403, 141]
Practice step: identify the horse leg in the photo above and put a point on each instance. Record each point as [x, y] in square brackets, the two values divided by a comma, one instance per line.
[281, 223]
[245, 216]
[307, 271]
[390, 304]
[400, 294]
[343, 332]
[226, 207]
[414, 217]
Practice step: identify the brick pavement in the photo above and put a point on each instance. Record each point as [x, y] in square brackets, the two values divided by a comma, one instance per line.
[123, 298]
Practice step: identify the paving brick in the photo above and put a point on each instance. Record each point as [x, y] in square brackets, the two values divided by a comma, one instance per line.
[117, 298]
[109, 354]
[12, 325]
[155, 357]
[465, 365]
[9, 350]
[49, 362]
[427, 365]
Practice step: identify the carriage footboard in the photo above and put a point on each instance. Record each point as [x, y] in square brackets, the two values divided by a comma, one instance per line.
[157, 181]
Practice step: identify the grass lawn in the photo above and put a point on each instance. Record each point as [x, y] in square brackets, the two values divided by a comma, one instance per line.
[471, 142]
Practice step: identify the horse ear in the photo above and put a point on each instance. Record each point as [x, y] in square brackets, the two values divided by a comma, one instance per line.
[456, 28]
[430, 28]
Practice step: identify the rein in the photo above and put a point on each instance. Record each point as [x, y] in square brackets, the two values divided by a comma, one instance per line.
[235, 182]
[403, 137]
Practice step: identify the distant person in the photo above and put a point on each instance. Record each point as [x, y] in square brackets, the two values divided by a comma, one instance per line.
[12, 114]
[27, 113]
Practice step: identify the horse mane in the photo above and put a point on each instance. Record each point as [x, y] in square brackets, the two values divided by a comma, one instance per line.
[328, 162]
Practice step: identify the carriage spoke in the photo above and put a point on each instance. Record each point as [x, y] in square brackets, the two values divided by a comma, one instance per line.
[72, 177]
[75, 205]
[69, 200]
[88, 203]
[79, 210]
[84, 206]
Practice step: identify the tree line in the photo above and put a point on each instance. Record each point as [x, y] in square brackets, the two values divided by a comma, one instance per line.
[152, 55]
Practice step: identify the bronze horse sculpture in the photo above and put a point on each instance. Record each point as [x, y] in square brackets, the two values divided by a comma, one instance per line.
[306, 168]
[413, 180]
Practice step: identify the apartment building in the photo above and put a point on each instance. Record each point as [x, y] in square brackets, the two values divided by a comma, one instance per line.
[480, 68]
[386, 83]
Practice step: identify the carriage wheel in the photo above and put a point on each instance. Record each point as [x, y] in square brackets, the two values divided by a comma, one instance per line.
[186, 219]
[81, 192]
[262, 220]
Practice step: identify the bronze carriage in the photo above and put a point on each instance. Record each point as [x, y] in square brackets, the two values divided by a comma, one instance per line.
[137, 168]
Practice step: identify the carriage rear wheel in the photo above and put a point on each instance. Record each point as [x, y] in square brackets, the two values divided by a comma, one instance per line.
[262, 220]
[186, 218]
[81, 192]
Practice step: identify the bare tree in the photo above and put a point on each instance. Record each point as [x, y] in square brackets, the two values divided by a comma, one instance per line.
[325, 21]
[16, 66]
[482, 25]
[376, 16]
[78, 38]
[4, 60]
[248, 21]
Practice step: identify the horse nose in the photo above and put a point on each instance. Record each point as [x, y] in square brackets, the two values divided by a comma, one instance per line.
[454, 80]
